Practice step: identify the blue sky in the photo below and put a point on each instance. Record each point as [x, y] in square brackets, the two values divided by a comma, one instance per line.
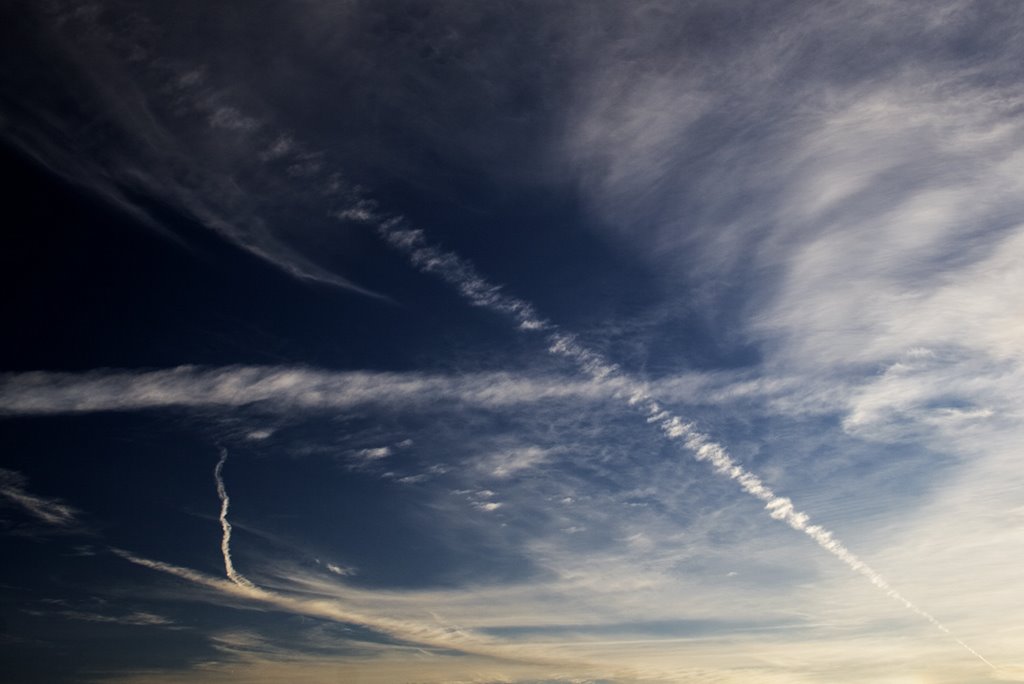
[512, 342]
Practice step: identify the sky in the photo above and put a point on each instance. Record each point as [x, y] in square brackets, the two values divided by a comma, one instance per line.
[522, 342]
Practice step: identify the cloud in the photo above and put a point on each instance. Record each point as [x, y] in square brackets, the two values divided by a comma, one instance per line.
[281, 147]
[171, 137]
[840, 220]
[374, 454]
[233, 120]
[508, 463]
[280, 387]
[459, 273]
[828, 211]
[478, 291]
[330, 609]
[137, 619]
[225, 544]
[573, 621]
[48, 510]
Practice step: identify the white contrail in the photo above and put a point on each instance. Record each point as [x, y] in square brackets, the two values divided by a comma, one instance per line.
[460, 273]
[225, 542]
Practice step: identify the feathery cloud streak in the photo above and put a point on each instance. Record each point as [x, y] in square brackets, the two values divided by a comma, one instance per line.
[283, 387]
[170, 136]
[327, 608]
[460, 273]
[48, 510]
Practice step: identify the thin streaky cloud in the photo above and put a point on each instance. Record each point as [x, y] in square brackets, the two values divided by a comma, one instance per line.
[48, 510]
[284, 387]
[136, 619]
[147, 152]
[340, 570]
[442, 637]
[460, 273]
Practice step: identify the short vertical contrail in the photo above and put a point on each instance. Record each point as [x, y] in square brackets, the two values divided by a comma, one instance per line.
[225, 542]
[458, 272]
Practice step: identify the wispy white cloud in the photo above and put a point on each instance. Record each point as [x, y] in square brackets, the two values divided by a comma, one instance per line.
[444, 637]
[50, 393]
[860, 214]
[340, 570]
[49, 510]
[137, 619]
[171, 136]
[511, 461]
[374, 454]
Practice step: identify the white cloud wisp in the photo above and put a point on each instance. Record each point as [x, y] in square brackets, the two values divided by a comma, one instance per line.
[44, 393]
[49, 511]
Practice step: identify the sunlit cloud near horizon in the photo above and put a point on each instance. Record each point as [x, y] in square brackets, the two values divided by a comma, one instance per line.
[512, 342]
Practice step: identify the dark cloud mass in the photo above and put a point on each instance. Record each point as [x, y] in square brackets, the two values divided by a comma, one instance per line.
[511, 341]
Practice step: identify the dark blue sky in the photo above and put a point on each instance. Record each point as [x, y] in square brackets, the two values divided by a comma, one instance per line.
[535, 341]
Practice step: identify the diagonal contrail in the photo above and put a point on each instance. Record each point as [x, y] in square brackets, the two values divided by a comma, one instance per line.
[225, 542]
[458, 272]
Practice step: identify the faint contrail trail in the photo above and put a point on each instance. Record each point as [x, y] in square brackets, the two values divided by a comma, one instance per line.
[457, 271]
[225, 542]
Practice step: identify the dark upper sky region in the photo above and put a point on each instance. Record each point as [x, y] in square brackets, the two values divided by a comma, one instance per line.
[511, 342]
